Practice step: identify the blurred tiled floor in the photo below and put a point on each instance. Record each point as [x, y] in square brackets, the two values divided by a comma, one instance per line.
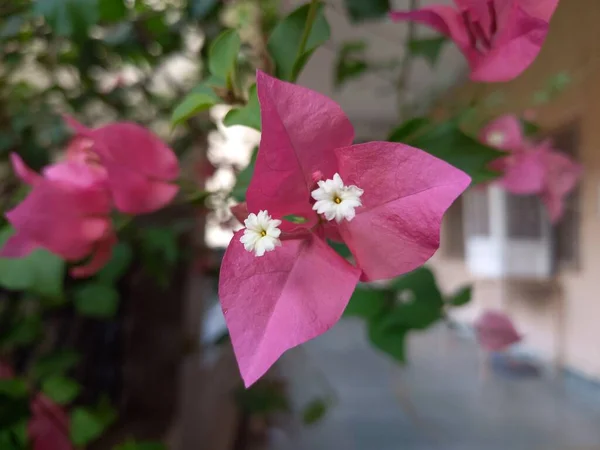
[446, 404]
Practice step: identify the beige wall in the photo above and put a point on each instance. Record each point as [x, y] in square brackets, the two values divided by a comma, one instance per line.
[560, 317]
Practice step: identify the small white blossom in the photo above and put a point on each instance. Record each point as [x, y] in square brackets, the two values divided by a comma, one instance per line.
[335, 200]
[261, 234]
[496, 138]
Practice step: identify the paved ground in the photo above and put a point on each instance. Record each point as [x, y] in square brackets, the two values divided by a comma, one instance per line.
[440, 401]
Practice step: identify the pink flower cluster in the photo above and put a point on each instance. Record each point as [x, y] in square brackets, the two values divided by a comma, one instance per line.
[532, 168]
[120, 165]
[384, 200]
[499, 38]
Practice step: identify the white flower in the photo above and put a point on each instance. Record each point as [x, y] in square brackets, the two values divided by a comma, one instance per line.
[335, 200]
[496, 138]
[261, 234]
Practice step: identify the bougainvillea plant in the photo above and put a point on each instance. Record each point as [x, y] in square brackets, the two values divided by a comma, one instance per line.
[323, 217]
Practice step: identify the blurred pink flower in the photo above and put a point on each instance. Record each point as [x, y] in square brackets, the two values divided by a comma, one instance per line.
[531, 168]
[495, 331]
[140, 169]
[66, 212]
[499, 38]
[384, 200]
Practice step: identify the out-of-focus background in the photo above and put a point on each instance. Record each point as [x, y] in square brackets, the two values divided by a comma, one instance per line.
[147, 336]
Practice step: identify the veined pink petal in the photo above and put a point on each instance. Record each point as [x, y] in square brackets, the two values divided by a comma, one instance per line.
[282, 299]
[542, 9]
[134, 193]
[406, 193]
[23, 172]
[301, 128]
[523, 172]
[240, 212]
[504, 133]
[445, 19]
[48, 427]
[562, 175]
[516, 48]
[495, 331]
[100, 256]
[76, 173]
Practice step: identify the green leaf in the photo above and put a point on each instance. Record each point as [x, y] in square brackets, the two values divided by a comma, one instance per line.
[408, 129]
[286, 39]
[15, 437]
[23, 332]
[295, 219]
[429, 49]
[314, 411]
[120, 261]
[60, 389]
[68, 17]
[55, 364]
[192, 104]
[462, 297]
[388, 337]
[262, 398]
[223, 54]
[112, 10]
[13, 388]
[340, 249]
[368, 302]
[425, 305]
[40, 273]
[133, 445]
[85, 427]
[95, 299]
[530, 128]
[202, 8]
[13, 412]
[248, 115]
[448, 142]
[360, 10]
[350, 62]
[243, 180]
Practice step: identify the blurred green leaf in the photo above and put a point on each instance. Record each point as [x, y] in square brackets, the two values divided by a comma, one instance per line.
[530, 128]
[368, 302]
[429, 49]
[295, 219]
[286, 39]
[388, 336]
[12, 26]
[191, 105]
[88, 424]
[13, 388]
[202, 8]
[94, 299]
[223, 54]
[408, 129]
[116, 268]
[243, 180]
[133, 445]
[112, 10]
[40, 273]
[68, 17]
[248, 115]
[314, 411]
[23, 332]
[350, 62]
[263, 397]
[56, 363]
[462, 297]
[15, 437]
[448, 142]
[360, 10]
[60, 389]
[340, 249]
[13, 412]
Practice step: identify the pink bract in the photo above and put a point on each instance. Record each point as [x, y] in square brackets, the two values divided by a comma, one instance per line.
[66, 212]
[300, 290]
[499, 38]
[140, 168]
[495, 331]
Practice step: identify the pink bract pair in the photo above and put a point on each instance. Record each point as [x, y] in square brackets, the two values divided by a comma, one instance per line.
[299, 289]
[499, 38]
[532, 168]
[68, 209]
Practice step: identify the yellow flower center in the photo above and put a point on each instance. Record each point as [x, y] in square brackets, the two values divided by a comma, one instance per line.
[263, 233]
[337, 200]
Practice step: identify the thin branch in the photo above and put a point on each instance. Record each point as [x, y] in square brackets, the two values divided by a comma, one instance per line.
[406, 66]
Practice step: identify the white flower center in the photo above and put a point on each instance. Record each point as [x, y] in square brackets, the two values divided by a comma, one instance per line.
[496, 138]
[261, 234]
[335, 200]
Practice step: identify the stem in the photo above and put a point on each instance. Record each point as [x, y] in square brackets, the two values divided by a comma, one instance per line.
[406, 63]
[310, 20]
